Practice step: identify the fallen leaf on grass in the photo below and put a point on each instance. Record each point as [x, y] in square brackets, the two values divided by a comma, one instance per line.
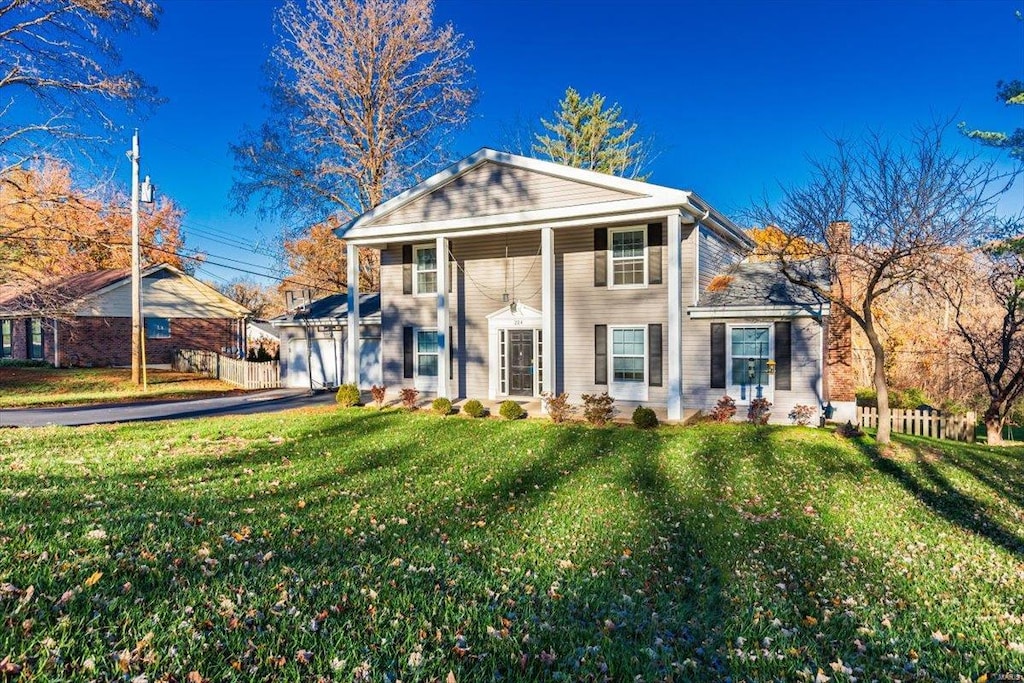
[93, 580]
[9, 668]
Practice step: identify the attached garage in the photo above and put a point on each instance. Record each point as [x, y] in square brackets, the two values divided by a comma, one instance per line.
[314, 339]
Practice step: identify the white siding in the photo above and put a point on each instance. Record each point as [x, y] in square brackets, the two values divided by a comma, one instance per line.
[164, 295]
[492, 188]
[716, 255]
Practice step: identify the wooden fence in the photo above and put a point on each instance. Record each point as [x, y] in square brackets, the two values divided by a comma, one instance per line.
[930, 423]
[242, 373]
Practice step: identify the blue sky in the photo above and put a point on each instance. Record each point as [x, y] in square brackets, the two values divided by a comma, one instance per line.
[736, 95]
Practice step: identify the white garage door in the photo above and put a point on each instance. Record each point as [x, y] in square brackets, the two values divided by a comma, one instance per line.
[313, 363]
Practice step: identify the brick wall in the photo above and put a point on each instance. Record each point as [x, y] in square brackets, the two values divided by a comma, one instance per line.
[107, 341]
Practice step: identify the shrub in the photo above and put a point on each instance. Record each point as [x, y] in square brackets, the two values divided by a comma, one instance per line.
[598, 409]
[724, 409]
[558, 406]
[849, 431]
[23, 363]
[867, 397]
[410, 397]
[801, 414]
[347, 396]
[759, 411]
[441, 406]
[378, 392]
[473, 408]
[644, 418]
[510, 410]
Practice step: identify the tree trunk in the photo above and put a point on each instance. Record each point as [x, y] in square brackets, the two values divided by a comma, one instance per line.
[883, 436]
[994, 423]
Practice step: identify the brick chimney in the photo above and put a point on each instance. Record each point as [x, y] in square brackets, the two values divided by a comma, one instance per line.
[838, 380]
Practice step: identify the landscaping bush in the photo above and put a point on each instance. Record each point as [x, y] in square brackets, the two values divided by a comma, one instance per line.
[801, 415]
[849, 431]
[557, 406]
[23, 363]
[347, 396]
[378, 392]
[644, 418]
[510, 410]
[441, 406]
[473, 408]
[598, 409]
[410, 398]
[724, 410]
[759, 411]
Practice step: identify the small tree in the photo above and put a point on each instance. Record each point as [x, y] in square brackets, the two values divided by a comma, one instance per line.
[585, 134]
[987, 298]
[877, 216]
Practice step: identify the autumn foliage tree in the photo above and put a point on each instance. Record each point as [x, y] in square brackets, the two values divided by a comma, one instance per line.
[906, 202]
[318, 261]
[364, 94]
[49, 227]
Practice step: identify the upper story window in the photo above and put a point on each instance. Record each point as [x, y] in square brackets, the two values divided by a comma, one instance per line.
[6, 339]
[35, 339]
[158, 328]
[628, 262]
[425, 269]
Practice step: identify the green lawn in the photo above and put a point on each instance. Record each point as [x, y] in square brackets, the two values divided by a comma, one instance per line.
[38, 387]
[358, 545]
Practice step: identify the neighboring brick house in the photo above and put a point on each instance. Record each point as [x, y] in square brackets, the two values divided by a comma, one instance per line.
[85, 319]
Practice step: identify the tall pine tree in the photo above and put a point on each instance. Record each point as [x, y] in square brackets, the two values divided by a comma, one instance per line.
[587, 135]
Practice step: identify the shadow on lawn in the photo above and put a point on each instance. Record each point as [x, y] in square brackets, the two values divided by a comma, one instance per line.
[929, 485]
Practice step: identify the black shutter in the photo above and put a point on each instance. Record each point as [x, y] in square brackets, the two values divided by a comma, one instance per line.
[718, 355]
[783, 356]
[407, 271]
[451, 355]
[600, 257]
[654, 355]
[451, 271]
[600, 354]
[655, 240]
[407, 351]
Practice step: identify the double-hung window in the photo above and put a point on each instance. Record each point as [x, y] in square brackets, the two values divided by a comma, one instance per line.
[425, 269]
[6, 339]
[426, 353]
[158, 328]
[749, 352]
[628, 354]
[35, 339]
[628, 262]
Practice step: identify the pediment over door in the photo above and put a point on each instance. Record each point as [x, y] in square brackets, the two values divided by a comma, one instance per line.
[522, 316]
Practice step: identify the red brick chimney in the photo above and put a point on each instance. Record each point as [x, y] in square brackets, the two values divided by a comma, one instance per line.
[838, 379]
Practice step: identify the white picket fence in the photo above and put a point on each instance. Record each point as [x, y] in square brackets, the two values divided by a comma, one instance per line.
[242, 373]
[930, 423]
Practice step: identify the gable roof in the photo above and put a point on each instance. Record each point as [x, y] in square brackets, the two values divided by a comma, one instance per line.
[598, 195]
[330, 310]
[66, 293]
[760, 285]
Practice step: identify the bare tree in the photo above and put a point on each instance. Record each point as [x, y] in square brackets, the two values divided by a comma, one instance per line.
[364, 93]
[901, 205]
[58, 71]
[987, 297]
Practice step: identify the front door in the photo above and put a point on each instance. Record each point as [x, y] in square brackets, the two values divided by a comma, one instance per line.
[520, 362]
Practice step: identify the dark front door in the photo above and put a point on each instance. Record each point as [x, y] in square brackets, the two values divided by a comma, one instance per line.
[520, 362]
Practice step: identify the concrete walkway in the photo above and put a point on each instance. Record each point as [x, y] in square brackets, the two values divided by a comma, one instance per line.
[269, 401]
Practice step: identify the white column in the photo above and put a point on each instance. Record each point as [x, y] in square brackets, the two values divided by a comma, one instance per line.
[675, 315]
[443, 342]
[352, 343]
[547, 298]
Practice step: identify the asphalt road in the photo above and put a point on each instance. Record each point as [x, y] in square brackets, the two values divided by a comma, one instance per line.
[248, 404]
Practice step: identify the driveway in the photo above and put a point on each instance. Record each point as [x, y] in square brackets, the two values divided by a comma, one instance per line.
[247, 404]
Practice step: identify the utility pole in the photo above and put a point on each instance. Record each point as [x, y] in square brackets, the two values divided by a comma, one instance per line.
[136, 266]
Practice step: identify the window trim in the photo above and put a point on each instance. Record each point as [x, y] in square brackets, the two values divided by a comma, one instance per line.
[155, 318]
[416, 248]
[420, 381]
[612, 258]
[628, 390]
[6, 335]
[32, 346]
[732, 388]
